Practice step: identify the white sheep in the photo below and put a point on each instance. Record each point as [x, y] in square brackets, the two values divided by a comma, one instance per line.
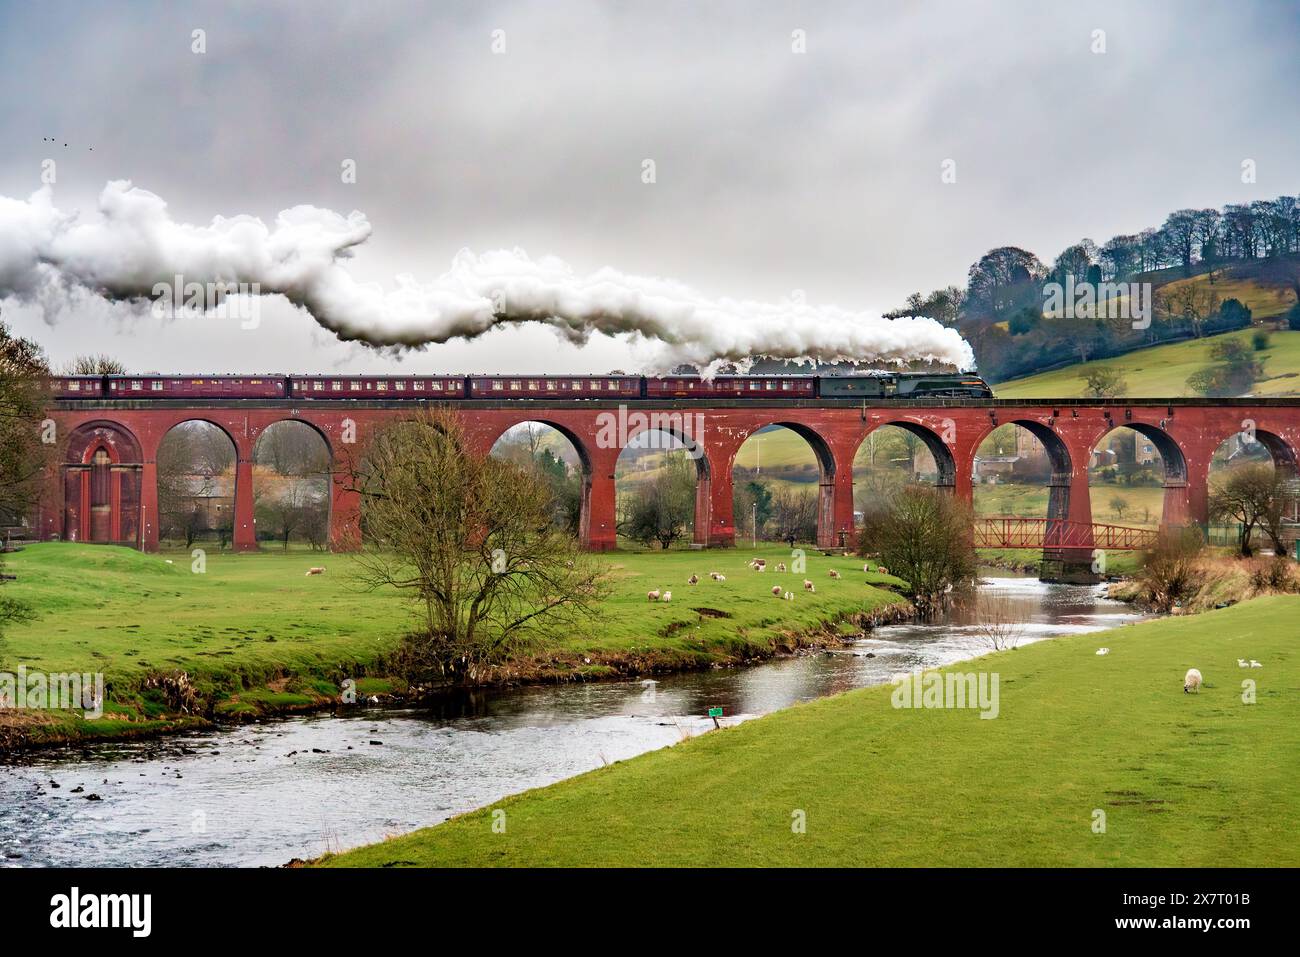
[715, 576]
[316, 570]
[1255, 664]
[722, 578]
[807, 585]
[883, 570]
[693, 580]
[1243, 663]
[789, 596]
[1103, 651]
[1192, 681]
[834, 573]
[652, 596]
[668, 596]
[780, 567]
[867, 569]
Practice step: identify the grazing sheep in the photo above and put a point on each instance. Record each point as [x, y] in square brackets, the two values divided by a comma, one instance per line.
[715, 576]
[722, 578]
[867, 569]
[812, 588]
[693, 580]
[789, 596]
[1103, 651]
[776, 590]
[317, 570]
[834, 573]
[1255, 664]
[1192, 681]
[1242, 663]
[781, 567]
[652, 596]
[807, 585]
[883, 570]
[668, 596]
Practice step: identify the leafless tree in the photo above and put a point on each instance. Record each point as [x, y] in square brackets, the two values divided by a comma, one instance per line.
[1252, 496]
[470, 540]
[998, 623]
[923, 535]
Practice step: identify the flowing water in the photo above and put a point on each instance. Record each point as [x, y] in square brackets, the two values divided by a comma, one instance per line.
[297, 787]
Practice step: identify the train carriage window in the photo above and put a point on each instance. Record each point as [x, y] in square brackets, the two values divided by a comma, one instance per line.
[550, 385]
[382, 386]
[136, 385]
[595, 384]
[418, 386]
[399, 386]
[753, 386]
[318, 386]
[336, 386]
[156, 386]
[785, 385]
[354, 386]
[514, 385]
[75, 386]
[497, 385]
[769, 385]
[532, 385]
[575, 385]
[437, 386]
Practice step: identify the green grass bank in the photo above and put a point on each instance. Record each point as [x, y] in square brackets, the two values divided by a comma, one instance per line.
[1182, 779]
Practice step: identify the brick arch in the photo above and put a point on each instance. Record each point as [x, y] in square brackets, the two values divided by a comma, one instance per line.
[832, 474]
[102, 502]
[945, 460]
[696, 448]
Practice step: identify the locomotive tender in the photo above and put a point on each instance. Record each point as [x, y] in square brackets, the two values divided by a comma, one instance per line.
[872, 385]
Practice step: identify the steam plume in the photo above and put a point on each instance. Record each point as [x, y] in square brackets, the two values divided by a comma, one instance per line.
[46, 256]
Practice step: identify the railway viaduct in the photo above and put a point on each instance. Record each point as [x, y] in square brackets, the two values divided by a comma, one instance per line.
[105, 487]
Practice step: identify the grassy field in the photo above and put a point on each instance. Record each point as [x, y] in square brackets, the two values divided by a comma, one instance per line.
[1163, 370]
[1182, 779]
[255, 633]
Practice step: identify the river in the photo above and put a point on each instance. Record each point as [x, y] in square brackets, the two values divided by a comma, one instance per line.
[297, 787]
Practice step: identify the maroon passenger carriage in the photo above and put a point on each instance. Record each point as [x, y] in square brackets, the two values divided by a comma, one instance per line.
[194, 387]
[554, 387]
[731, 387]
[377, 387]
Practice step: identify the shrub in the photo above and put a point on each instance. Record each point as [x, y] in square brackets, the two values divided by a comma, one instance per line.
[1168, 575]
[1259, 340]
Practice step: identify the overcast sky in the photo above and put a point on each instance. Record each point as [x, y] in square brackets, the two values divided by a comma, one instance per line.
[775, 170]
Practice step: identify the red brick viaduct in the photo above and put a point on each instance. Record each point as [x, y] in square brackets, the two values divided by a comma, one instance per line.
[121, 439]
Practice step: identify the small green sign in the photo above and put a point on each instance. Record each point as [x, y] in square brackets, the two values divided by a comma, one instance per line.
[715, 712]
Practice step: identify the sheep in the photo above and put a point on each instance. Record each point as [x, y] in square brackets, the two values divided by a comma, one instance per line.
[780, 566]
[722, 578]
[812, 588]
[1255, 664]
[315, 570]
[883, 570]
[834, 573]
[1242, 663]
[1192, 680]
[652, 596]
[789, 596]
[807, 585]
[693, 580]
[668, 596]
[715, 576]
[866, 569]
[1103, 651]
[776, 590]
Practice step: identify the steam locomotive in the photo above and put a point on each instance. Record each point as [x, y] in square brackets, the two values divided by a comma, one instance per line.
[872, 385]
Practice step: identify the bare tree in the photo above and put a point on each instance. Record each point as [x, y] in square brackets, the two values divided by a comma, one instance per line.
[100, 364]
[1251, 496]
[469, 539]
[1103, 382]
[923, 535]
[1169, 573]
[661, 508]
[997, 622]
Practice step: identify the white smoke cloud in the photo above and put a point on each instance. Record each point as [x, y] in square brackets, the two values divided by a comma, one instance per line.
[47, 256]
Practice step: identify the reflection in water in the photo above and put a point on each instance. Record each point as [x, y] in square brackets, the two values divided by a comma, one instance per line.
[295, 788]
